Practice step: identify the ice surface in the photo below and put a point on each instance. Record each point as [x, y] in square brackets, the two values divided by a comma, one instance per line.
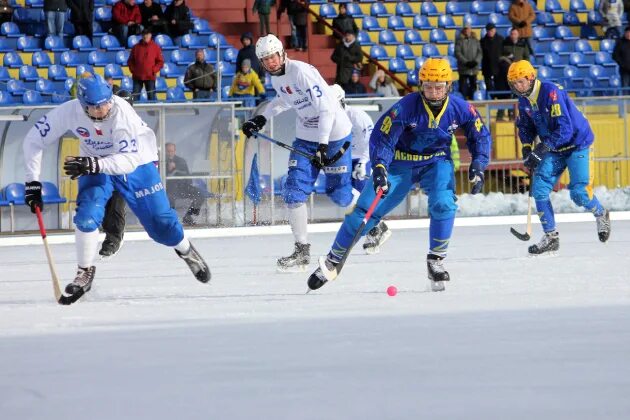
[512, 337]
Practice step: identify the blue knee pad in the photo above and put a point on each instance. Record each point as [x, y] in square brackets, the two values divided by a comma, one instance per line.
[86, 216]
[165, 229]
[443, 206]
[580, 196]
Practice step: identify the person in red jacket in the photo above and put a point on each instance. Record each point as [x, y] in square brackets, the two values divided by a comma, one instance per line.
[126, 20]
[145, 62]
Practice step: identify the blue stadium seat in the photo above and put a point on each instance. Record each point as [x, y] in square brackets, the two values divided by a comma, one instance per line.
[412, 78]
[475, 21]
[170, 70]
[421, 22]
[32, 97]
[28, 74]
[82, 43]
[103, 14]
[552, 60]
[5, 98]
[561, 47]
[607, 45]
[160, 84]
[404, 51]
[455, 8]
[482, 7]
[54, 43]
[584, 47]
[378, 52]
[503, 7]
[4, 74]
[175, 94]
[133, 40]
[603, 58]
[370, 23]
[98, 58]
[379, 10]
[11, 30]
[114, 71]
[165, 42]
[229, 55]
[44, 86]
[28, 44]
[57, 72]
[597, 72]
[544, 72]
[396, 23]
[211, 55]
[201, 27]
[446, 22]
[570, 73]
[438, 36]
[28, 15]
[577, 59]
[578, 6]
[110, 43]
[403, 9]
[479, 95]
[428, 9]
[430, 50]
[452, 61]
[553, 6]
[226, 69]
[97, 29]
[327, 11]
[364, 39]
[180, 83]
[34, 3]
[544, 33]
[564, 33]
[84, 68]
[7, 44]
[354, 10]
[70, 58]
[594, 18]
[15, 87]
[387, 37]
[500, 21]
[545, 19]
[41, 59]
[126, 83]
[182, 56]
[570, 19]
[14, 193]
[219, 40]
[50, 194]
[68, 83]
[450, 50]
[419, 61]
[413, 37]
[122, 57]
[12, 60]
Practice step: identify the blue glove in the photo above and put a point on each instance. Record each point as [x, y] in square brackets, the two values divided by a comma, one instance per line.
[532, 158]
[379, 178]
[475, 176]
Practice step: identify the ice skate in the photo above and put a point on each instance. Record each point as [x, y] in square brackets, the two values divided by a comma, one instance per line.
[548, 245]
[196, 263]
[325, 272]
[437, 273]
[603, 226]
[110, 247]
[298, 261]
[375, 238]
[82, 282]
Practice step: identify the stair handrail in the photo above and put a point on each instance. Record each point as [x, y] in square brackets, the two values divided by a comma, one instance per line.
[372, 60]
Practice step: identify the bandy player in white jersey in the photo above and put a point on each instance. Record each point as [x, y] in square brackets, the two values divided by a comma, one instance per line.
[362, 126]
[322, 128]
[118, 152]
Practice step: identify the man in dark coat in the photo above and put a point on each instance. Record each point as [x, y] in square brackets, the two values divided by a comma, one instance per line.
[177, 16]
[200, 77]
[355, 87]
[153, 17]
[82, 16]
[491, 48]
[348, 56]
[344, 23]
[621, 54]
[249, 51]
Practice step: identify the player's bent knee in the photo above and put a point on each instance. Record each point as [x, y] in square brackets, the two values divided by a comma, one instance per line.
[580, 196]
[443, 207]
[294, 198]
[85, 223]
[167, 231]
[342, 199]
[88, 217]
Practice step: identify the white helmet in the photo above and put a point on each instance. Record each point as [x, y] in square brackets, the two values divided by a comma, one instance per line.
[340, 94]
[267, 46]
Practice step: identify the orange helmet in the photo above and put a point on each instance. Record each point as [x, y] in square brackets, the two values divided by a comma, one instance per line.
[436, 69]
[522, 69]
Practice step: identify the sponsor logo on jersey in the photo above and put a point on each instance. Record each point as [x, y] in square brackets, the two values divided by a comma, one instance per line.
[471, 109]
[293, 163]
[83, 132]
[148, 191]
[98, 145]
[98, 131]
[553, 95]
[286, 90]
[393, 113]
[335, 169]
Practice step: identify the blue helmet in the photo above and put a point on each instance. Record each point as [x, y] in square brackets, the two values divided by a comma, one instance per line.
[93, 91]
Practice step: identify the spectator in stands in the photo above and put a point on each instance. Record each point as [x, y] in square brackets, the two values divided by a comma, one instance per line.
[348, 56]
[126, 20]
[383, 85]
[200, 77]
[263, 8]
[468, 54]
[355, 87]
[6, 11]
[145, 62]
[292, 7]
[246, 81]
[55, 16]
[621, 54]
[82, 16]
[344, 23]
[514, 49]
[181, 188]
[611, 11]
[153, 17]
[249, 51]
[177, 16]
[301, 23]
[522, 15]
[491, 49]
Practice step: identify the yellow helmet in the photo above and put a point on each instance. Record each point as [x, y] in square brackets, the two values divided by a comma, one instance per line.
[522, 69]
[436, 69]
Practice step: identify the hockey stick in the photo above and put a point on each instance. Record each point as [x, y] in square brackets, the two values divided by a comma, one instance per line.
[527, 235]
[310, 157]
[315, 282]
[61, 299]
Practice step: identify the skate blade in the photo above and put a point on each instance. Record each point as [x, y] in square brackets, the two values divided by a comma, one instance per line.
[436, 286]
[70, 299]
[373, 250]
[294, 269]
[550, 254]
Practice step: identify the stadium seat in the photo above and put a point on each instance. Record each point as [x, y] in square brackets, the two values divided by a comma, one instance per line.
[70, 58]
[175, 94]
[571, 73]
[364, 39]
[226, 69]
[584, 46]
[68, 83]
[503, 7]
[229, 55]
[103, 14]
[354, 10]
[327, 11]
[446, 22]
[28, 74]
[44, 86]
[201, 27]
[452, 61]
[4, 74]
[577, 59]
[594, 18]
[455, 8]
[553, 6]
[578, 6]
[413, 37]
[570, 19]
[544, 72]
[170, 70]
[6, 98]
[133, 40]
[114, 71]
[438, 36]
[597, 72]
[15, 87]
[479, 95]
[97, 29]
[404, 51]
[419, 61]
[98, 58]
[603, 58]
[127, 83]
[6, 45]
[397, 65]
[544, 33]
[41, 59]
[160, 84]
[482, 7]
[379, 10]
[450, 50]
[110, 43]
[560, 47]
[82, 43]
[122, 57]
[165, 42]
[57, 72]
[370, 23]
[34, 3]
[50, 194]
[475, 21]
[403, 9]
[218, 40]
[14, 193]
[412, 78]
[545, 19]
[428, 9]
[54, 43]
[28, 15]
[12, 60]
[28, 44]
[10, 30]
[377, 52]
[396, 23]
[607, 45]
[387, 37]
[430, 50]
[32, 97]
[84, 68]
[182, 56]
[552, 60]
[565, 33]
[421, 22]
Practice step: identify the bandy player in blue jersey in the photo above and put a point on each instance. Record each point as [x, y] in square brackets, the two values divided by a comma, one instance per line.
[411, 143]
[566, 142]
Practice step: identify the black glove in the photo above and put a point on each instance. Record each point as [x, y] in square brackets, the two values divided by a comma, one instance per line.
[33, 195]
[522, 24]
[379, 178]
[254, 125]
[77, 166]
[531, 158]
[475, 176]
[320, 158]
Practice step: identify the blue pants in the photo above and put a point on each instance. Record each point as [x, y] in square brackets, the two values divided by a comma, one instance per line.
[358, 184]
[580, 167]
[438, 182]
[302, 174]
[142, 190]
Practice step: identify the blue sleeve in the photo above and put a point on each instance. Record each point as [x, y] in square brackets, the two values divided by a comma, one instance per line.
[526, 127]
[560, 124]
[478, 139]
[386, 132]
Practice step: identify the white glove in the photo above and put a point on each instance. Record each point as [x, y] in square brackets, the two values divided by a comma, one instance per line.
[359, 171]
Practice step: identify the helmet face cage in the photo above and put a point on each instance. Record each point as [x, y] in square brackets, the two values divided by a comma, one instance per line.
[435, 103]
[268, 46]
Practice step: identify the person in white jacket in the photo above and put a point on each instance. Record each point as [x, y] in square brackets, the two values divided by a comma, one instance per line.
[322, 129]
[118, 151]
[611, 11]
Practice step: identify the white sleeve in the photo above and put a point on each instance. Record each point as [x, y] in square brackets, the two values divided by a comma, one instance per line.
[322, 98]
[364, 126]
[275, 107]
[46, 131]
